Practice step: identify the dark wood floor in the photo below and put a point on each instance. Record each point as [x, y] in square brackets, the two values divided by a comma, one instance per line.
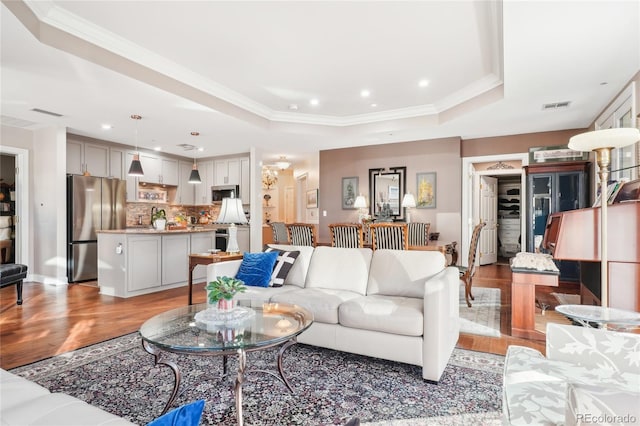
[54, 320]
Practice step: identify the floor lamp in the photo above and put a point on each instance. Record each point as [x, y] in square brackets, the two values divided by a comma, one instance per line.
[602, 142]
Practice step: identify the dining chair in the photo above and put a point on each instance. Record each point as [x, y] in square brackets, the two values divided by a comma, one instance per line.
[280, 234]
[466, 273]
[349, 235]
[302, 234]
[419, 233]
[393, 236]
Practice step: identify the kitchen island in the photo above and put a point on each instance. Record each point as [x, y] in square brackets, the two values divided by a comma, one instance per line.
[137, 261]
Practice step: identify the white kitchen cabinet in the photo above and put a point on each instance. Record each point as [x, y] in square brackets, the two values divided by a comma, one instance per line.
[186, 191]
[227, 172]
[159, 170]
[144, 262]
[175, 255]
[169, 171]
[201, 243]
[117, 164]
[203, 191]
[83, 157]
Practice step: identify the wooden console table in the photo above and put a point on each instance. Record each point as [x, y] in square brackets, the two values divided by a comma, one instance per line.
[523, 302]
[205, 259]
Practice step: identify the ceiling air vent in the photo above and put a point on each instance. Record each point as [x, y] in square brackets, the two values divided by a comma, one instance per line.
[44, 111]
[556, 105]
[186, 146]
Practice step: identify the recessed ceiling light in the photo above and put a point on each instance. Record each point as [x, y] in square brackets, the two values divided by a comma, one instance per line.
[201, 149]
[365, 93]
[157, 148]
[374, 105]
[293, 107]
[423, 83]
[314, 102]
[107, 127]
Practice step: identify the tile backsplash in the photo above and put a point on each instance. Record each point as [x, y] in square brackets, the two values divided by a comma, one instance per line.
[135, 210]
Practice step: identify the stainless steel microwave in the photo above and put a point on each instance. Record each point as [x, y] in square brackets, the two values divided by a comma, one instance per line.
[219, 192]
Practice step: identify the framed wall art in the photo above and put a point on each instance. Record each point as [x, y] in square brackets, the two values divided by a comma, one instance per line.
[349, 192]
[312, 198]
[426, 185]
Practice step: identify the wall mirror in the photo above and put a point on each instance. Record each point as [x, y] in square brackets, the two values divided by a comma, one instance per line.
[386, 189]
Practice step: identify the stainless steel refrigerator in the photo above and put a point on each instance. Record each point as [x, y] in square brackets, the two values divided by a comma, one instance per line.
[93, 204]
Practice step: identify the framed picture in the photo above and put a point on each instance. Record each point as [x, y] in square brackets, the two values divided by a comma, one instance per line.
[426, 185]
[312, 198]
[349, 192]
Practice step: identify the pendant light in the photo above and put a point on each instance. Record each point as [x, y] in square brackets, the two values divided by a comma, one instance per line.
[136, 167]
[194, 177]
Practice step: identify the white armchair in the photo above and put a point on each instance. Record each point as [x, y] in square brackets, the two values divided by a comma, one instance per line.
[588, 376]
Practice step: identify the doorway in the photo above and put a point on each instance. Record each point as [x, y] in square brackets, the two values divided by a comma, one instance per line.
[507, 169]
[17, 160]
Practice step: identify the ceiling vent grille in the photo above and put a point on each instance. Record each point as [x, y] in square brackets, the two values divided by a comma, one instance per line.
[556, 105]
[44, 111]
[17, 122]
[186, 146]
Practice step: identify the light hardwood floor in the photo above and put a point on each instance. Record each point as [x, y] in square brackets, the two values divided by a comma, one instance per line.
[54, 320]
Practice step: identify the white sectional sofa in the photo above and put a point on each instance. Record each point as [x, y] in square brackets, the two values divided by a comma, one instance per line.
[398, 305]
[24, 403]
[589, 376]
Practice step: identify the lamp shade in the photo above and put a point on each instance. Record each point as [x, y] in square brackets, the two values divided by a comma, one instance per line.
[408, 200]
[194, 177]
[360, 202]
[136, 167]
[606, 138]
[231, 211]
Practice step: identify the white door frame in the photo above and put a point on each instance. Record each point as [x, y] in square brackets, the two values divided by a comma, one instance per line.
[470, 211]
[22, 204]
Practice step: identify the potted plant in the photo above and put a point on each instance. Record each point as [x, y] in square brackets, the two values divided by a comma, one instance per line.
[159, 219]
[221, 291]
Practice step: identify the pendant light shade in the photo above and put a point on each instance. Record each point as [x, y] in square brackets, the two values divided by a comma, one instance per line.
[194, 177]
[135, 169]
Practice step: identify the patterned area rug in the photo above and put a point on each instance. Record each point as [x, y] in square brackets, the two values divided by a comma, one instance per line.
[330, 387]
[483, 317]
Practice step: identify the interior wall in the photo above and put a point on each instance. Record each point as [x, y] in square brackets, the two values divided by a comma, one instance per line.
[514, 144]
[437, 155]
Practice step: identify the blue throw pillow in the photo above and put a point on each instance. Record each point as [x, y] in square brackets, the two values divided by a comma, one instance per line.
[256, 268]
[187, 415]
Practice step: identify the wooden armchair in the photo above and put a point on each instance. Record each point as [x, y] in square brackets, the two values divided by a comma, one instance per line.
[466, 273]
[348, 235]
[419, 233]
[302, 234]
[393, 236]
[280, 233]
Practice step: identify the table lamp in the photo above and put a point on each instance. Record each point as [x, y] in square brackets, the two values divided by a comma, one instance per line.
[408, 202]
[231, 212]
[361, 205]
[602, 142]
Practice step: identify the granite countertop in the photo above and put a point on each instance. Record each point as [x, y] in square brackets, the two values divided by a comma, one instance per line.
[149, 230]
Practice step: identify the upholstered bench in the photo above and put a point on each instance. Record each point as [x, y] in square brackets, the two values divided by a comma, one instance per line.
[13, 273]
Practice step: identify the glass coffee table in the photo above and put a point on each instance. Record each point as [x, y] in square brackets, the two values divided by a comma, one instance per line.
[265, 326]
[590, 315]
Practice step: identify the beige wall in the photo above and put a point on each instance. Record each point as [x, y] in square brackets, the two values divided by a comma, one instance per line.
[514, 144]
[438, 155]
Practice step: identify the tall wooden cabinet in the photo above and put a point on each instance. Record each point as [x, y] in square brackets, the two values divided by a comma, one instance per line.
[551, 188]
